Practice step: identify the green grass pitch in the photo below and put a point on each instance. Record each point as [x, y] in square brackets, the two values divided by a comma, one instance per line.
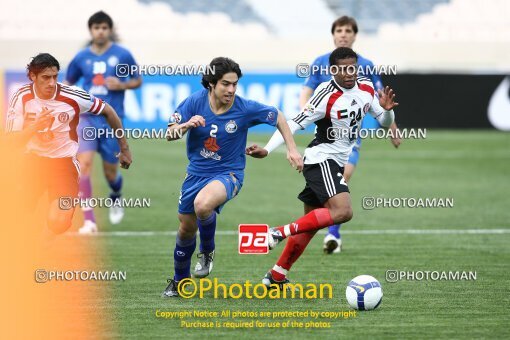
[472, 167]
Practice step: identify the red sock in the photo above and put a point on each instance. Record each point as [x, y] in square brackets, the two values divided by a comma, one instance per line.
[295, 246]
[313, 221]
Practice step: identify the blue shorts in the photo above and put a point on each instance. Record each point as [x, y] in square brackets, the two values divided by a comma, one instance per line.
[193, 184]
[108, 147]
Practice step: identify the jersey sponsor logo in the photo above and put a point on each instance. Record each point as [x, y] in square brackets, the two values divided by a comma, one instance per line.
[99, 90]
[231, 126]
[353, 102]
[210, 149]
[210, 154]
[63, 117]
[211, 145]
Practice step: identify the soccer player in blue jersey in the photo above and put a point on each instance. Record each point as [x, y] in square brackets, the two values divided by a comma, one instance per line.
[217, 122]
[96, 65]
[344, 31]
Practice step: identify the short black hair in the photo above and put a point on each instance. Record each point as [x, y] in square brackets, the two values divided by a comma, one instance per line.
[341, 53]
[219, 67]
[41, 62]
[345, 21]
[100, 18]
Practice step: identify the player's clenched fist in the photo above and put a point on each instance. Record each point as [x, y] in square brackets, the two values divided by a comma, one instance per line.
[295, 160]
[194, 122]
[125, 159]
[44, 119]
[256, 151]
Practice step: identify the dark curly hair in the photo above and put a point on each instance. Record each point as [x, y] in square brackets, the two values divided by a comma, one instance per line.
[220, 66]
[41, 62]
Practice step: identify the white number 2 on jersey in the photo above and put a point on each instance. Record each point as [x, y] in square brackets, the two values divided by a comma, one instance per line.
[214, 129]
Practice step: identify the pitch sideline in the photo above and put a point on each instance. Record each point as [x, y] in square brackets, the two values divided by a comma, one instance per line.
[347, 232]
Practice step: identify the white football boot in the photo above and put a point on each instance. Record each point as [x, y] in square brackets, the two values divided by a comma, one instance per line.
[88, 228]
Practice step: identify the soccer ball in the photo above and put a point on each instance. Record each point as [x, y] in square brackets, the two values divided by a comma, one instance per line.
[364, 292]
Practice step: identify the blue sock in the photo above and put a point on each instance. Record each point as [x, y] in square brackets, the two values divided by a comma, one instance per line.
[207, 228]
[335, 230]
[116, 186]
[182, 257]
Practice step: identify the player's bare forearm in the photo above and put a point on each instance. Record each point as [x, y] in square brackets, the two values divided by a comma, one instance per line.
[284, 129]
[306, 94]
[393, 126]
[116, 124]
[176, 131]
[293, 156]
[395, 139]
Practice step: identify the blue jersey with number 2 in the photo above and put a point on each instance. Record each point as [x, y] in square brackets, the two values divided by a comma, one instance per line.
[219, 147]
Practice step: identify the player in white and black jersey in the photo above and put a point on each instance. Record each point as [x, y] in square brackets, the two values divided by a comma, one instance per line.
[337, 108]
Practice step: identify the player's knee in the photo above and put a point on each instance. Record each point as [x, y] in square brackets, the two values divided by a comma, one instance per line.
[186, 232]
[59, 220]
[202, 208]
[342, 215]
[59, 224]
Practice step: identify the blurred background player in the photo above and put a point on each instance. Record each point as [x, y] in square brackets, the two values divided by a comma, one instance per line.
[96, 65]
[217, 122]
[344, 31]
[51, 153]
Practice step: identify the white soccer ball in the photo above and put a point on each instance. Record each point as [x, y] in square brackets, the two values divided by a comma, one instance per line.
[364, 292]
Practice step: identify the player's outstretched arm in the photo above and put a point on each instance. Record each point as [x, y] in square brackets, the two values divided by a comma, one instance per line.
[284, 134]
[293, 155]
[395, 139]
[276, 140]
[176, 131]
[116, 124]
[382, 107]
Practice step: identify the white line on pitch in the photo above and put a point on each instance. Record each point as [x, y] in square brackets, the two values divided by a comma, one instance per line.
[348, 232]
